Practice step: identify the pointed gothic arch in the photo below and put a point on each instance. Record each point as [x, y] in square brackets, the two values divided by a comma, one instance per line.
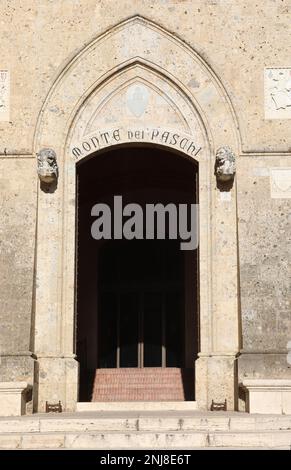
[91, 97]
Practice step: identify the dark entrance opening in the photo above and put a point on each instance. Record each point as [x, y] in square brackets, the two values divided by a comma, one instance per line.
[141, 299]
[136, 300]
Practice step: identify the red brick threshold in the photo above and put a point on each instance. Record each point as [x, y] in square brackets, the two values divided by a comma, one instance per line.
[145, 384]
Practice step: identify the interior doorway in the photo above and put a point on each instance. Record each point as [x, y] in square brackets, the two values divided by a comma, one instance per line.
[141, 298]
[136, 300]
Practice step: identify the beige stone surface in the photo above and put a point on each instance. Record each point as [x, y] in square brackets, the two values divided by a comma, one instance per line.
[88, 425]
[10, 442]
[137, 406]
[123, 421]
[149, 429]
[278, 93]
[57, 380]
[42, 441]
[16, 425]
[48, 33]
[56, 213]
[85, 75]
[12, 398]
[264, 241]
[134, 440]
[268, 395]
[17, 235]
[155, 429]
[280, 179]
[252, 439]
[4, 95]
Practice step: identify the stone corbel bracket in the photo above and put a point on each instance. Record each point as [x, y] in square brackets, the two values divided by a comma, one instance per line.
[47, 167]
[225, 165]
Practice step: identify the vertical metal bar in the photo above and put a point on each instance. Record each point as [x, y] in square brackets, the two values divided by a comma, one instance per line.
[141, 329]
[164, 349]
[118, 332]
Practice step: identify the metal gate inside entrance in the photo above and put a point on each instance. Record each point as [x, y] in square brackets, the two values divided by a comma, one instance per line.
[136, 300]
[141, 319]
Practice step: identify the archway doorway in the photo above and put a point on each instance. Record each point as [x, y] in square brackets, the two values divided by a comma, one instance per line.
[136, 300]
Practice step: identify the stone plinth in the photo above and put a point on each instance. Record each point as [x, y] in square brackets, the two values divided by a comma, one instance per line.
[268, 395]
[12, 398]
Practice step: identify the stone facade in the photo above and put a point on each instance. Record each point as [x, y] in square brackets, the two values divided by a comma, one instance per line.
[82, 76]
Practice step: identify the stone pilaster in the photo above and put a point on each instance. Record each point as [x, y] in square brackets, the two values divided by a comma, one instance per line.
[56, 380]
[216, 379]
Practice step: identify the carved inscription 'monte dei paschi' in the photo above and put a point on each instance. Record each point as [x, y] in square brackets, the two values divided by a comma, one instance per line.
[106, 138]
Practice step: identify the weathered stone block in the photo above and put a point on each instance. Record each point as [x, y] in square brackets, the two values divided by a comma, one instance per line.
[12, 398]
[268, 395]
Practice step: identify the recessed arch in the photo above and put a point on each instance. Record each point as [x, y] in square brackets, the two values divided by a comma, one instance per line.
[139, 80]
[120, 79]
[207, 96]
[89, 79]
[154, 278]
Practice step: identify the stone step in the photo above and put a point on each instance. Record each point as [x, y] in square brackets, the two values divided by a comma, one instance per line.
[147, 440]
[164, 405]
[137, 383]
[134, 395]
[132, 429]
[144, 421]
[142, 370]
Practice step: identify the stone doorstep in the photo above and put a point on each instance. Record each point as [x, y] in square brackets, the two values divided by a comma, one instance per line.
[268, 395]
[12, 399]
[166, 405]
[139, 370]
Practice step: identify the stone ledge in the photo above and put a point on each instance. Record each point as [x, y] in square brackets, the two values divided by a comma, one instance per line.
[268, 395]
[12, 398]
[136, 406]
